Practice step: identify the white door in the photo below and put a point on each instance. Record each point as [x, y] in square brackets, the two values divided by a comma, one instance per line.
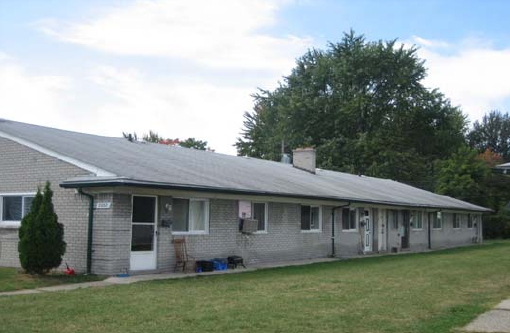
[368, 230]
[143, 232]
[382, 229]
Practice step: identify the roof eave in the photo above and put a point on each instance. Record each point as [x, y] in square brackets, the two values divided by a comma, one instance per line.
[126, 182]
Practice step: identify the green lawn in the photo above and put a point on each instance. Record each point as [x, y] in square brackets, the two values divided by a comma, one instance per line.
[433, 292]
[11, 280]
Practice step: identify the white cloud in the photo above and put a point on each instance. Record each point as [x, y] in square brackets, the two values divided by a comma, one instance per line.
[225, 34]
[473, 75]
[213, 36]
[173, 108]
[31, 98]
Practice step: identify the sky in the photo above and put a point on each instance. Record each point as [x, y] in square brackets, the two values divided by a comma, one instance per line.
[190, 68]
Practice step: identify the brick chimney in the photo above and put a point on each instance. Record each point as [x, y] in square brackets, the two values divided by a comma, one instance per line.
[304, 159]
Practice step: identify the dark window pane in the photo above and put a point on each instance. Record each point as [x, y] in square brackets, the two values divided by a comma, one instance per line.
[144, 209]
[143, 237]
[259, 214]
[352, 219]
[180, 212]
[305, 217]
[11, 209]
[314, 218]
[345, 218]
[27, 202]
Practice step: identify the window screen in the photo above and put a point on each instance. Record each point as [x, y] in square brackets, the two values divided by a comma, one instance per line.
[144, 209]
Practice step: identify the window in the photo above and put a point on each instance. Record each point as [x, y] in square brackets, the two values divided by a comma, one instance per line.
[190, 216]
[470, 221]
[437, 220]
[348, 219]
[13, 207]
[393, 219]
[417, 220]
[457, 221]
[259, 213]
[310, 218]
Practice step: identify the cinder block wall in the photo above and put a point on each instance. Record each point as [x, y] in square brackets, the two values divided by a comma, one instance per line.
[22, 170]
[449, 237]
[284, 239]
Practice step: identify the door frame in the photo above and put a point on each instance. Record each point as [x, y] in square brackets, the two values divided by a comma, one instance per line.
[406, 225]
[382, 223]
[141, 256]
[368, 234]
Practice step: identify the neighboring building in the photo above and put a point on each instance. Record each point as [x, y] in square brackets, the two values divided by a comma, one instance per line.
[502, 168]
[146, 194]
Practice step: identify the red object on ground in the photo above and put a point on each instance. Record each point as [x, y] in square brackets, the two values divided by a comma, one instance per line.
[68, 270]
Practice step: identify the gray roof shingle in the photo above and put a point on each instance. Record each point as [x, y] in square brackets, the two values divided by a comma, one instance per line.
[148, 163]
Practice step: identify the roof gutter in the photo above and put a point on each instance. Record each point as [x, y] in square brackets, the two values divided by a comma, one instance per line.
[90, 229]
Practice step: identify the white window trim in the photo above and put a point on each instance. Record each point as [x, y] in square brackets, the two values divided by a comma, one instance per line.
[206, 226]
[472, 218]
[266, 215]
[312, 231]
[442, 220]
[356, 219]
[13, 224]
[457, 216]
[421, 228]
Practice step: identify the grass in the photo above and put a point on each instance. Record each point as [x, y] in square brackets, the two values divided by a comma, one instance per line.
[11, 280]
[430, 292]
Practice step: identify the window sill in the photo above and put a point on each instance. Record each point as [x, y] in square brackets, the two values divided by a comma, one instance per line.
[260, 232]
[10, 225]
[438, 229]
[349, 230]
[418, 229]
[186, 233]
[311, 231]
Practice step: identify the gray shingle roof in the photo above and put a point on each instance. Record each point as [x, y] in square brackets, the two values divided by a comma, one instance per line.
[176, 167]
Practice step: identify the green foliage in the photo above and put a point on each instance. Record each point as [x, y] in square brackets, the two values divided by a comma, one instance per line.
[492, 133]
[131, 137]
[497, 225]
[463, 176]
[362, 106]
[155, 138]
[152, 137]
[41, 238]
[194, 143]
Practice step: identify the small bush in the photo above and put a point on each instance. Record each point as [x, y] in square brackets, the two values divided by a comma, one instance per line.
[41, 238]
[496, 226]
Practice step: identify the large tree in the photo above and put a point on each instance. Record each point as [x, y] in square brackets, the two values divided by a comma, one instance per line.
[492, 133]
[363, 106]
[464, 176]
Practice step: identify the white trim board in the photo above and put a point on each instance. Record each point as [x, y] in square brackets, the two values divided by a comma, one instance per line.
[85, 166]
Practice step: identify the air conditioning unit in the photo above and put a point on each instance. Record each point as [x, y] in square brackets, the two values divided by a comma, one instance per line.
[249, 226]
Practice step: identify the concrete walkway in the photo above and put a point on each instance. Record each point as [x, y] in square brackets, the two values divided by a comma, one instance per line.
[495, 320]
[159, 276]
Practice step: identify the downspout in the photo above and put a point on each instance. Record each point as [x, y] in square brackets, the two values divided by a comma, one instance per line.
[90, 229]
[333, 227]
[428, 227]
